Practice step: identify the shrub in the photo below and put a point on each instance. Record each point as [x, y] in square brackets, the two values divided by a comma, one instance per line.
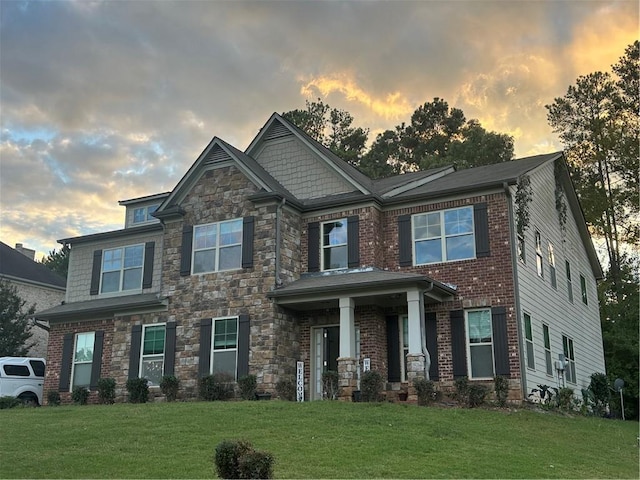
[107, 390]
[247, 386]
[371, 385]
[476, 395]
[138, 389]
[255, 464]
[169, 385]
[564, 398]
[461, 393]
[599, 388]
[80, 395]
[228, 453]
[502, 390]
[218, 386]
[286, 389]
[8, 401]
[330, 385]
[425, 389]
[53, 398]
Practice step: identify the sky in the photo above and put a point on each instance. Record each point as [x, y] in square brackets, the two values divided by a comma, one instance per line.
[102, 101]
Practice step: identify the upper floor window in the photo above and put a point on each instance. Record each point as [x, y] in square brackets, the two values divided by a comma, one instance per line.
[122, 269]
[217, 246]
[152, 353]
[539, 266]
[334, 244]
[583, 289]
[480, 343]
[143, 214]
[569, 283]
[83, 359]
[443, 236]
[552, 266]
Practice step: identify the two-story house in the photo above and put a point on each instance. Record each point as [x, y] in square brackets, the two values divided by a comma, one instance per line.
[285, 253]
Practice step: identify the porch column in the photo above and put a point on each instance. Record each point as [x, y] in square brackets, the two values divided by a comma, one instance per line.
[347, 363]
[415, 358]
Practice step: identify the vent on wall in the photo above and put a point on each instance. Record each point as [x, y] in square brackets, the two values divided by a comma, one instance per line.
[217, 154]
[277, 130]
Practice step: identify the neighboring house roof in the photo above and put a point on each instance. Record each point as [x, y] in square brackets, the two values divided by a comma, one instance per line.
[15, 266]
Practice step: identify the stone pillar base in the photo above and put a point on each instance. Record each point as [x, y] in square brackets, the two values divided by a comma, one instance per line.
[415, 369]
[347, 381]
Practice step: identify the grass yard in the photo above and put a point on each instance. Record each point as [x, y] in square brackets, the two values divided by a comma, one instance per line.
[313, 440]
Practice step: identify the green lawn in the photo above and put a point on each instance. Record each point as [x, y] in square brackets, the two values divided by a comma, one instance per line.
[313, 440]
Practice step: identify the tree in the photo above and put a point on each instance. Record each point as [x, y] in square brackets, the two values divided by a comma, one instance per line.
[598, 122]
[58, 261]
[15, 331]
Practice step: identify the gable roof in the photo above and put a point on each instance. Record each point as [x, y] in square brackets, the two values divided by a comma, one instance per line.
[15, 266]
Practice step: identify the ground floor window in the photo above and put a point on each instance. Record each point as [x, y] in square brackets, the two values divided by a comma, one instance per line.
[83, 359]
[570, 367]
[224, 355]
[479, 344]
[531, 361]
[152, 356]
[547, 348]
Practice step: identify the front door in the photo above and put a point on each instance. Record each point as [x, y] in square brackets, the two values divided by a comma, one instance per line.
[326, 343]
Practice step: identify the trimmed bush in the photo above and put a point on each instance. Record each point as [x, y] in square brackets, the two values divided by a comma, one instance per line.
[8, 401]
[247, 385]
[502, 390]
[238, 459]
[330, 385]
[371, 385]
[80, 395]
[461, 393]
[286, 390]
[107, 390]
[138, 389]
[218, 386]
[255, 464]
[564, 399]
[169, 385]
[426, 391]
[477, 394]
[53, 398]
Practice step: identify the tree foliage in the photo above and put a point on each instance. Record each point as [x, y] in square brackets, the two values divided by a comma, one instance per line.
[15, 330]
[58, 261]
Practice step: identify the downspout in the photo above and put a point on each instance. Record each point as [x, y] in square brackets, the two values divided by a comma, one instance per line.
[516, 291]
[423, 332]
[278, 235]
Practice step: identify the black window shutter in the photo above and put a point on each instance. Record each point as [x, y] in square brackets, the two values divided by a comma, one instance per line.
[404, 241]
[247, 242]
[65, 364]
[169, 348]
[147, 276]
[95, 272]
[353, 241]
[393, 349]
[185, 258]
[243, 345]
[458, 344]
[431, 329]
[500, 340]
[205, 347]
[481, 221]
[134, 351]
[313, 246]
[96, 366]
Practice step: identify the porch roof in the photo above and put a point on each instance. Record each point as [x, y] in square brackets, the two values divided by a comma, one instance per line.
[366, 286]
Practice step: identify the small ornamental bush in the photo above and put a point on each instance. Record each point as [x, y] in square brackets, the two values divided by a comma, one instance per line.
[138, 389]
[107, 390]
[477, 394]
[286, 390]
[601, 395]
[426, 391]
[247, 385]
[330, 385]
[564, 398]
[169, 385]
[371, 385]
[238, 459]
[255, 464]
[218, 386]
[502, 390]
[461, 393]
[80, 395]
[8, 401]
[53, 398]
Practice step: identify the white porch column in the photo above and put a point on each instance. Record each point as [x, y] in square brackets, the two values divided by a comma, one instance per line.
[415, 306]
[347, 328]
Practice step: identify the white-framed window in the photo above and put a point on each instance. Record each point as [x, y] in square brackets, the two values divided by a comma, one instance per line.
[334, 244]
[82, 359]
[570, 359]
[403, 330]
[143, 214]
[528, 335]
[547, 349]
[583, 289]
[217, 246]
[224, 347]
[539, 265]
[522, 256]
[443, 236]
[479, 344]
[122, 269]
[552, 266]
[152, 353]
[567, 266]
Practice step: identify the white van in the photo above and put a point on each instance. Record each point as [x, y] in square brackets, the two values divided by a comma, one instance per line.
[23, 378]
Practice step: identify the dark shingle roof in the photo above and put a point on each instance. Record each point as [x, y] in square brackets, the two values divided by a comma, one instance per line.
[16, 266]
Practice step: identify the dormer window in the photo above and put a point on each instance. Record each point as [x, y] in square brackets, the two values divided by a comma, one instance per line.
[143, 214]
[122, 269]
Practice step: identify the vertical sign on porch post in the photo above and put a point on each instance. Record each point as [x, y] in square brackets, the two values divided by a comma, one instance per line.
[300, 381]
[366, 364]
